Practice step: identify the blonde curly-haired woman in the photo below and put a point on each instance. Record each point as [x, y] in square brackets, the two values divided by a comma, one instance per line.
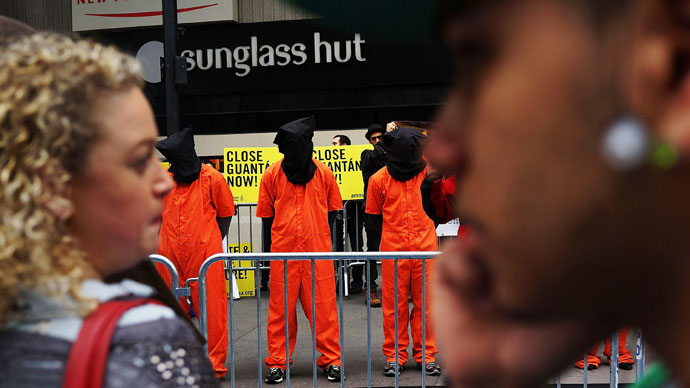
[81, 196]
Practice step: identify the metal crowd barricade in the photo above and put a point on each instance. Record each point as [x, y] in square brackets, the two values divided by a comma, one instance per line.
[614, 374]
[358, 233]
[238, 218]
[176, 289]
[368, 257]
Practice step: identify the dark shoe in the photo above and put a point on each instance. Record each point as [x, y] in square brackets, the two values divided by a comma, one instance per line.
[432, 369]
[389, 370]
[275, 376]
[332, 373]
[625, 362]
[375, 300]
[625, 365]
[354, 290]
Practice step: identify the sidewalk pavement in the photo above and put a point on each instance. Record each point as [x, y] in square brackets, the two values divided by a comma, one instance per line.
[354, 352]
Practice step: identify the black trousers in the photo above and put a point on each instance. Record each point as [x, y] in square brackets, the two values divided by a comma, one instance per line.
[355, 225]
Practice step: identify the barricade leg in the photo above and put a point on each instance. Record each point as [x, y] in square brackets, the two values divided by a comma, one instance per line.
[640, 356]
[586, 369]
[614, 360]
[258, 321]
[397, 313]
[424, 323]
[369, 325]
[340, 327]
[313, 325]
[231, 329]
[288, 314]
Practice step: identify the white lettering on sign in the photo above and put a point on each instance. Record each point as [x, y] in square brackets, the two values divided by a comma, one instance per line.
[242, 59]
[106, 14]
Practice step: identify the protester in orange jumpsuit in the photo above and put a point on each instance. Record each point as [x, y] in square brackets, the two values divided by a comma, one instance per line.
[297, 197]
[394, 203]
[196, 216]
[625, 359]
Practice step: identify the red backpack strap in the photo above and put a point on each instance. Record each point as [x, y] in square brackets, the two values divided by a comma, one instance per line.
[89, 353]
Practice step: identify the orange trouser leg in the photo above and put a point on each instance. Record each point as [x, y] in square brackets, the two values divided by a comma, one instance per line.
[216, 315]
[388, 307]
[623, 353]
[188, 260]
[326, 323]
[416, 316]
[275, 331]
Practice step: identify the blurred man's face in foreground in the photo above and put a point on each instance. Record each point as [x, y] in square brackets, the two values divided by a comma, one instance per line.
[538, 82]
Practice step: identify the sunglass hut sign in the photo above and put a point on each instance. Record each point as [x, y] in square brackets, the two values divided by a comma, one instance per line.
[242, 59]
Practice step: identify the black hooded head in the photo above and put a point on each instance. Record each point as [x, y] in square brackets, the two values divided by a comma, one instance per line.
[404, 149]
[294, 142]
[178, 148]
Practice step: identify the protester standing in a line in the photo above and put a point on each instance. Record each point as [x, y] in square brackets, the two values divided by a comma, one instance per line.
[298, 200]
[196, 217]
[371, 162]
[394, 204]
[625, 359]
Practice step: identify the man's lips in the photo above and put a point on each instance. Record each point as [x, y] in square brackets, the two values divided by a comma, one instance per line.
[157, 220]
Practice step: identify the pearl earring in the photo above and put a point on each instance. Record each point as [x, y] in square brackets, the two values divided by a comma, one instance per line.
[626, 144]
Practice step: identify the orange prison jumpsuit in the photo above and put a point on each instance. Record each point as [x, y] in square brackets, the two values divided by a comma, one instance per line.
[301, 225]
[406, 227]
[189, 235]
[623, 352]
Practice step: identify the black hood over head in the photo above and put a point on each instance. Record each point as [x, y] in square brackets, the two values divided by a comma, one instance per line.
[178, 148]
[294, 141]
[404, 148]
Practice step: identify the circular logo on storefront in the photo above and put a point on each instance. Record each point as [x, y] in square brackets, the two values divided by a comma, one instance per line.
[149, 55]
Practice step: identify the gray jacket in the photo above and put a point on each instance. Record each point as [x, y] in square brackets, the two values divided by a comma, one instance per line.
[151, 347]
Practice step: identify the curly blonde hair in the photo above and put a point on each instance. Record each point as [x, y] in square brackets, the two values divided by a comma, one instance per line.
[48, 87]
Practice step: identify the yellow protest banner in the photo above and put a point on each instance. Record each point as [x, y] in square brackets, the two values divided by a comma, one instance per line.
[245, 166]
[245, 278]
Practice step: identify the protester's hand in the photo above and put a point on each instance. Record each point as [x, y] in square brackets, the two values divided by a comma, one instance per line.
[433, 173]
[482, 347]
[392, 126]
[379, 151]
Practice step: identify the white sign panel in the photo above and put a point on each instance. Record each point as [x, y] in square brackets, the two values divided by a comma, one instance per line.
[448, 229]
[106, 14]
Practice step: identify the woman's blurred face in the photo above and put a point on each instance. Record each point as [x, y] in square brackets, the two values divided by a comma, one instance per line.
[118, 195]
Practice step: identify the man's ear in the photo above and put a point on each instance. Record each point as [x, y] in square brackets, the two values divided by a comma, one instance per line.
[660, 74]
[61, 207]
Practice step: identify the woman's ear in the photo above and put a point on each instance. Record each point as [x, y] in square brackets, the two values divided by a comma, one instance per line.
[61, 207]
[61, 204]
